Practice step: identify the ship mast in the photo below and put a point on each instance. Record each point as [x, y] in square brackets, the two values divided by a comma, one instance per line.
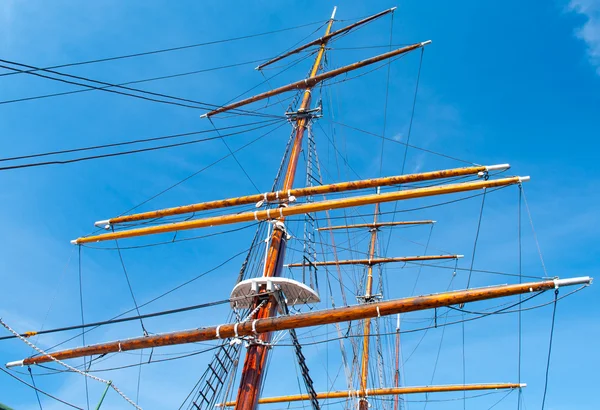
[256, 356]
[266, 300]
[363, 403]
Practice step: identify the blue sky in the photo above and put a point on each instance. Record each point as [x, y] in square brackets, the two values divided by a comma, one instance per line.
[508, 82]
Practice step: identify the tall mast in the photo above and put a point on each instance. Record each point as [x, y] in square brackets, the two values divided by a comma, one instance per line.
[363, 403]
[256, 356]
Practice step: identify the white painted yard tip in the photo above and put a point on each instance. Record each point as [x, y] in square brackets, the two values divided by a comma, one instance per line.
[333, 14]
[524, 179]
[424, 43]
[583, 280]
[206, 115]
[393, 8]
[105, 224]
[523, 385]
[497, 167]
[460, 256]
[14, 364]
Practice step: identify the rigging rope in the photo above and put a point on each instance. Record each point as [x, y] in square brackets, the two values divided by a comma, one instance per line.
[550, 348]
[38, 390]
[87, 375]
[87, 393]
[164, 50]
[37, 395]
[233, 155]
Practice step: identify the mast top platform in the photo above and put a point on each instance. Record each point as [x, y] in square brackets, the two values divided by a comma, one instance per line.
[242, 295]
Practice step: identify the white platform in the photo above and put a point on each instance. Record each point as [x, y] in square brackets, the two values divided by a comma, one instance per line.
[295, 292]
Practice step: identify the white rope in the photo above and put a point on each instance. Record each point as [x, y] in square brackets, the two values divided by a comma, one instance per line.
[91, 376]
[254, 311]
[537, 244]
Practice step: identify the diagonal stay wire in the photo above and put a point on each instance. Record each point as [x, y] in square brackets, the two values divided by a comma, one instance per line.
[106, 89]
[233, 155]
[116, 154]
[202, 169]
[550, 348]
[145, 80]
[410, 124]
[476, 237]
[537, 243]
[130, 288]
[387, 93]
[400, 142]
[95, 325]
[39, 391]
[131, 142]
[87, 393]
[165, 50]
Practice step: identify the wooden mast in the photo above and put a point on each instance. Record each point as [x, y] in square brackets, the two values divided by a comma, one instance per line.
[256, 356]
[397, 368]
[363, 404]
[309, 319]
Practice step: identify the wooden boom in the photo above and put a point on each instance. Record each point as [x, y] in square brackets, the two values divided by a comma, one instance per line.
[376, 261]
[312, 81]
[270, 214]
[302, 192]
[302, 320]
[376, 225]
[385, 391]
[325, 38]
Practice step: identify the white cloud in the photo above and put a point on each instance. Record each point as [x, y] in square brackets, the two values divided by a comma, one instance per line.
[589, 32]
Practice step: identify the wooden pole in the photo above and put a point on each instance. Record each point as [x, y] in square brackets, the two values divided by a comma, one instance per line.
[363, 404]
[283, 212]
[326, 38]
[397, 369]
[302, 320]
[302, 192]
[386, 392]
[315, 79]
[256, 355]
[376, 261]
[376, 225]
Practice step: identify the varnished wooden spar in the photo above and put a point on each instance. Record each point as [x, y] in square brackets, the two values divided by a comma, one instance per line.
[326, 38]
[376, 261]
[302, 192]
[254, 366]
[364, 373]
[283, 212]
[387, 392]
[376, 225]
[302, 320]
[312, 81]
